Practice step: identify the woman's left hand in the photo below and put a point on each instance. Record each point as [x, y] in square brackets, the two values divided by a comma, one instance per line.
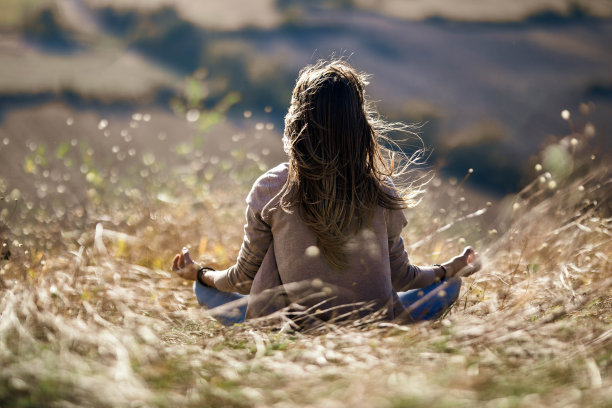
[184, 266]
[463, 265]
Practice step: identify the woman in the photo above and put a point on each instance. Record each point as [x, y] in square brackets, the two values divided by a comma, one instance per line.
[323, 230]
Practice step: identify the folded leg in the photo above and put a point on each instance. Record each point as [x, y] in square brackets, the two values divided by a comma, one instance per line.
[430, 303]
[227, 307]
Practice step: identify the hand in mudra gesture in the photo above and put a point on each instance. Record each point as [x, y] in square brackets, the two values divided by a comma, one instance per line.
[463, 265]
[184, 266]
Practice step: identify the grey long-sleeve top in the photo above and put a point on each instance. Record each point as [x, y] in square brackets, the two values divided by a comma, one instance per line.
[279, 249]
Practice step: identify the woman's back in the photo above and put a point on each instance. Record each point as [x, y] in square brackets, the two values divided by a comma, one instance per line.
[296, 261]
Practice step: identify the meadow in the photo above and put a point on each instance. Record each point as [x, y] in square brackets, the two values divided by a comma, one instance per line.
[130, 128]
[90, 314]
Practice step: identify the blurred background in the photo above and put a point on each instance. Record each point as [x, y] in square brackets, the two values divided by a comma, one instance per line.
[154, 81]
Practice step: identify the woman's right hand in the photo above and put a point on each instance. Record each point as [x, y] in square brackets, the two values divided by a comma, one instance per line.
[463, 265]
[184, 266]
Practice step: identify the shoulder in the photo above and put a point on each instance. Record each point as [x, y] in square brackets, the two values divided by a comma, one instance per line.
[275, 176]
[268, 185]
[388, 186]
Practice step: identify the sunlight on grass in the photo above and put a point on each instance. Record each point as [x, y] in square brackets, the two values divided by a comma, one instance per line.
[90, 314]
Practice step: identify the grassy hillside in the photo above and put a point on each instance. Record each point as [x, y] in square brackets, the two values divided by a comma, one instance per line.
[91, 316]
[488, 77]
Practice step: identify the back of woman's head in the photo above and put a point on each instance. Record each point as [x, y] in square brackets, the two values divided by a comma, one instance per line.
[338, 171]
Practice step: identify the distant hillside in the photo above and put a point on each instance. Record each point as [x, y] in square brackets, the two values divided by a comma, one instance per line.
[486, 90]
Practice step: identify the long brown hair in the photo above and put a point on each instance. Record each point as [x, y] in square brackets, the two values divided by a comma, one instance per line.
[339, 169]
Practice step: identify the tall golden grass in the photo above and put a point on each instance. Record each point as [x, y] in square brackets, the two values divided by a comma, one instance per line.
[91, 316]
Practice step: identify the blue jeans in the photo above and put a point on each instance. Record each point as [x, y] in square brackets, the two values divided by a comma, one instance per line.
[422, 304]
[431, 302]
[229, 307]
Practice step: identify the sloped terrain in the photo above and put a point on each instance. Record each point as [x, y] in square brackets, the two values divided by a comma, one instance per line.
[91, 316]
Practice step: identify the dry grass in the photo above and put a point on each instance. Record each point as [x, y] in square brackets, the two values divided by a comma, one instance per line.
[91, 317]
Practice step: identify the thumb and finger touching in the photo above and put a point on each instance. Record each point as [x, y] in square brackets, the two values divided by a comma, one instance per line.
[473, 261]
[184, 266]
[468, 262]
[186, 257]
[468, 253]
[181, 260]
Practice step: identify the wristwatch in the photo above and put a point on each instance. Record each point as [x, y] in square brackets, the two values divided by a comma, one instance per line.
[442, 267]
[200, 274]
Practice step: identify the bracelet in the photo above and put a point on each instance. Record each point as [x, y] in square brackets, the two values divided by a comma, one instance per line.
[200, 273]
[443, 268]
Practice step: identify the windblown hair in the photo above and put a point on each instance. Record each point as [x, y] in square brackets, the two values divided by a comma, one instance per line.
[339, 168]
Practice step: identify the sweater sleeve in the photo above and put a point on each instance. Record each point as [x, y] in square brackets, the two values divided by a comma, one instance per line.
[257, 239]
[404, 275]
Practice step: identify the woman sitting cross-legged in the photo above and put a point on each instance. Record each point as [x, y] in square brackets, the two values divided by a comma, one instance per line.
[323, 230]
